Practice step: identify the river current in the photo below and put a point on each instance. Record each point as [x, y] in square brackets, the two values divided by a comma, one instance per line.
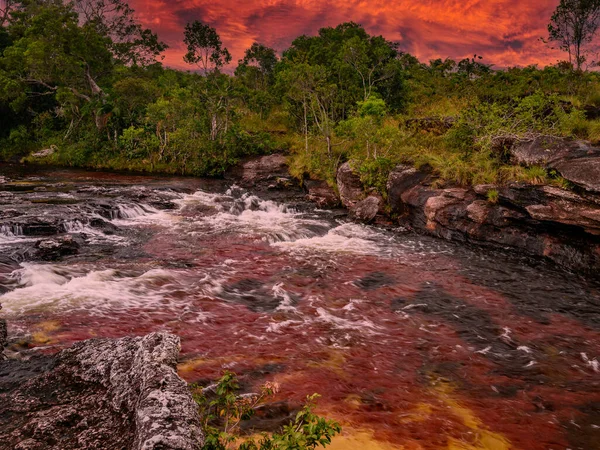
[412, 342]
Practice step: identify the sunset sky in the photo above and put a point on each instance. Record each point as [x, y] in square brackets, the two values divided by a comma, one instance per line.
[505, 32]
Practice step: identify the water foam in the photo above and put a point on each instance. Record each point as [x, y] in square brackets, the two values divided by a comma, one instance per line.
[248, 215]
[42, 288]
[346, 238]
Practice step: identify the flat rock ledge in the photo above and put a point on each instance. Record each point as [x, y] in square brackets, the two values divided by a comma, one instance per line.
[99, 394]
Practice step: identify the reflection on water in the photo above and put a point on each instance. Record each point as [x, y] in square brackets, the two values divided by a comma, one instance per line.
[411, 341]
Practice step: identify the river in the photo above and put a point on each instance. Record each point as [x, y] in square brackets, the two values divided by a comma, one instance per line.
[412, 342]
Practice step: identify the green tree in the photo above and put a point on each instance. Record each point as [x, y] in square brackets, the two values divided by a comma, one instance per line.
[205, 47]
[257, 66]
[573, 26]
[130, 43]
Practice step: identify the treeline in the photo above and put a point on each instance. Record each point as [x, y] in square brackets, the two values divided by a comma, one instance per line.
[81, 79]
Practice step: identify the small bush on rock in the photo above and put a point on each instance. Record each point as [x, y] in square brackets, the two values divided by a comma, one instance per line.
[222, 410]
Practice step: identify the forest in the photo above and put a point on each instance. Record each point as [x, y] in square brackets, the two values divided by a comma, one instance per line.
[81, 84]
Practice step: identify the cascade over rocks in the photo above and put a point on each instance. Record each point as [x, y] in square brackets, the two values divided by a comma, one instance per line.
[99, 394]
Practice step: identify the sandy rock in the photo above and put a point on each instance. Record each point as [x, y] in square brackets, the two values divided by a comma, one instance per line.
[260, 170]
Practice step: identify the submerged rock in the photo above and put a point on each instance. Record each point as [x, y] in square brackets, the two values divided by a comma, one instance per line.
[56, 248]
[100, 394]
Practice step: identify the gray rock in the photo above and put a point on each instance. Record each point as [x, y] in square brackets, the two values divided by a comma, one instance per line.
[45, 152]
[367, 209]
[349, 186]
[584, 172]
[546, 150]
[100, 394]
[577, 161]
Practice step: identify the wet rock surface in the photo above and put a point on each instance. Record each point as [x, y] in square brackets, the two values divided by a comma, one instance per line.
[99, 394]
[3, 337]
[54, 249]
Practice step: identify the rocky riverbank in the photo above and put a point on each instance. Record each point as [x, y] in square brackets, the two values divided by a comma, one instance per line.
[542, 220]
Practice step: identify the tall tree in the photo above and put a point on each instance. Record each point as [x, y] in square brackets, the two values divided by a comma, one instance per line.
[130, 42]
[205, 47]
[573, 26]
[257, 66]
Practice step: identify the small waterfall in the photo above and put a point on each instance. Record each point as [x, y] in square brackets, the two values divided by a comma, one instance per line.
[11, 230]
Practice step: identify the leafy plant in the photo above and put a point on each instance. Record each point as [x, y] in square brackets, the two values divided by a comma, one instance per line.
[224, 410]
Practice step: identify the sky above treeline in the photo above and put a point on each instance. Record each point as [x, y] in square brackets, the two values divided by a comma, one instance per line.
[505, 32]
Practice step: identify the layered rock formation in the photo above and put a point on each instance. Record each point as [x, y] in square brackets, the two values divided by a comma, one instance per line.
[541, 220]
[99, 394]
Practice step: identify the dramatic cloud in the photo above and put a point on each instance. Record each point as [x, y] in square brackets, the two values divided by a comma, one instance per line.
[505, 32]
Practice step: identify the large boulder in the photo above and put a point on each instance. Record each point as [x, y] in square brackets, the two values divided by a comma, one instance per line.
[100, 394]
[269, 169]
[584, 172]
[577, 161]
[366, 210]
[400, 180]
[349, 186]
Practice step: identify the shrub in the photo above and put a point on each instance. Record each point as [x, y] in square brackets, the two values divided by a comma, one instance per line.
[222, 414]
[493, 196]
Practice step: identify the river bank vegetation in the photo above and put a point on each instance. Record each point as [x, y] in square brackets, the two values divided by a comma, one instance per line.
[80, 85]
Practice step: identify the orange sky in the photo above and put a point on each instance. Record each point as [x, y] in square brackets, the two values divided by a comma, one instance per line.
[505, 32]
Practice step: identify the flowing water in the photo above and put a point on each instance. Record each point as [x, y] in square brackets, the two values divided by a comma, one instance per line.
[412, 342]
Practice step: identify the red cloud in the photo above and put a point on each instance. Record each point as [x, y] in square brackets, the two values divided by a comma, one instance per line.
[505, 32]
